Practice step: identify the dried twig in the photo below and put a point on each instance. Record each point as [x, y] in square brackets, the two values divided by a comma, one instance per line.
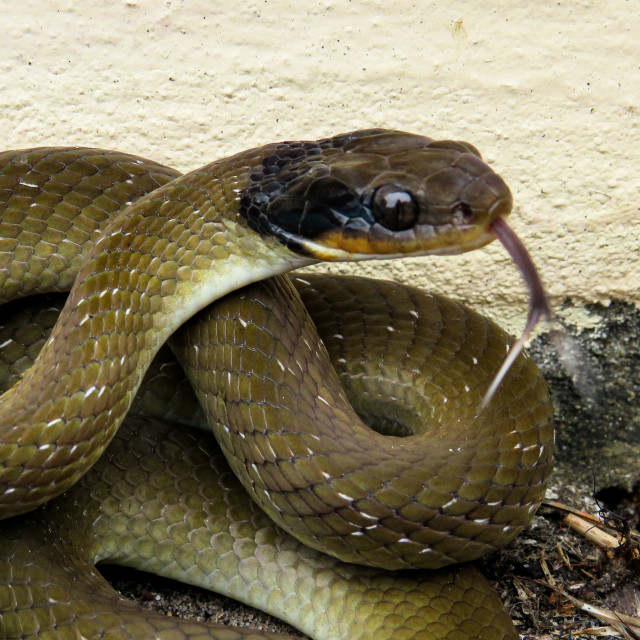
[594, 528]
[545, 568]
[562, 555]
[599, 631]
[592, 532]
[627, 626]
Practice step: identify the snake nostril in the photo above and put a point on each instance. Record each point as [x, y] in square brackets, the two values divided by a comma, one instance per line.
[464, 212]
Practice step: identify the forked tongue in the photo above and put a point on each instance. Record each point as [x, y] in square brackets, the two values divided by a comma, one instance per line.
[538, 302]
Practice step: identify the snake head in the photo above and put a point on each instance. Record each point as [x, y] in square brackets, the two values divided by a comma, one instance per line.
[375, 193]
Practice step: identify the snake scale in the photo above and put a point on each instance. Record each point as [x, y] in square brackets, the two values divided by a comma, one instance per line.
[398, 470]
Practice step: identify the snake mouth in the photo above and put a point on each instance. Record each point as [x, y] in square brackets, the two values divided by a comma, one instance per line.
[538, 300]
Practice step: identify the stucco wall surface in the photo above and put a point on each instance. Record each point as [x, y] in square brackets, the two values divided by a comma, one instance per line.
[549, 92]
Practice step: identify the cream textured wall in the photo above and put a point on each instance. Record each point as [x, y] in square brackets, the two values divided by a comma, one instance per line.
[549, 92]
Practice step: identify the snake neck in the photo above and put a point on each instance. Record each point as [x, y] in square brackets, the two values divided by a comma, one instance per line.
[157, 263]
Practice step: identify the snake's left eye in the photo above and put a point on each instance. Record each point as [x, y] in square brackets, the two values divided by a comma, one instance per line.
[394, 208]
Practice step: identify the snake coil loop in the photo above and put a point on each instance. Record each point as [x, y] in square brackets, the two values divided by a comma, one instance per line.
[142, 251]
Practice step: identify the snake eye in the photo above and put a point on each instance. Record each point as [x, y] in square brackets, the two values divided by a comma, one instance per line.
[394, 208]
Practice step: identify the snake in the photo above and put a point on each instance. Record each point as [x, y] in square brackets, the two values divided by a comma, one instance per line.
[323, 504]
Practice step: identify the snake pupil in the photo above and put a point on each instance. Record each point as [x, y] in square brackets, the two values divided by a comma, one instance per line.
[394, 208]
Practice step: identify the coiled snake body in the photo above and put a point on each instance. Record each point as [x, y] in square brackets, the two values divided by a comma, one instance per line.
[465, 482]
